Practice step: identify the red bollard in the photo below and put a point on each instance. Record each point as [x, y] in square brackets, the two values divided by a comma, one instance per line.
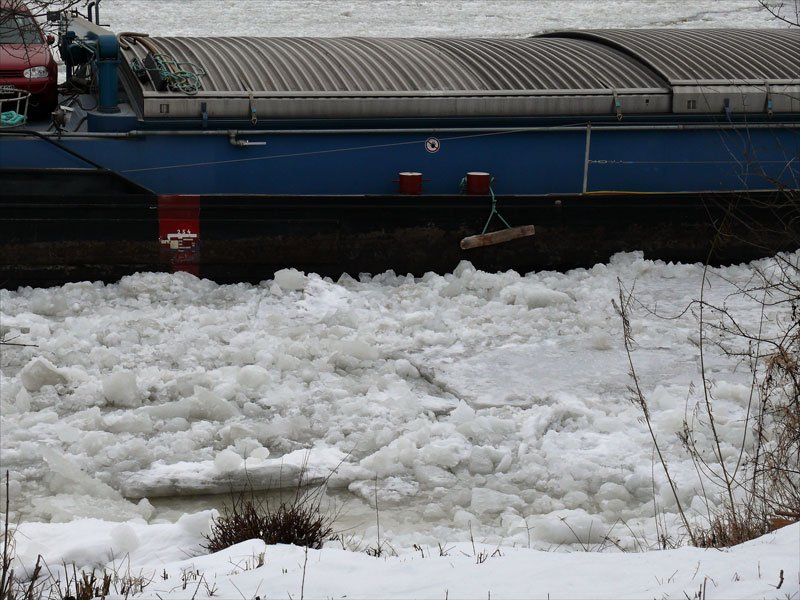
[478, 183]
[410, 183]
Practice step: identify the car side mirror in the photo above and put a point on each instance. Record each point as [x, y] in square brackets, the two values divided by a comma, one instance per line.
[50, 39]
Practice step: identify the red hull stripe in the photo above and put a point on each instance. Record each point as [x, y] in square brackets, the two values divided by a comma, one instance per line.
[179, 222]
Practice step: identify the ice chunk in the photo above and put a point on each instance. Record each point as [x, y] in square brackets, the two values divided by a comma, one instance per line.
[405, 369]
[207, 405]
[66, 476]
[40, 372]
[432, 476]
[485, 500]
[245, 445]
[462, 413]
[480, 461]
[626, 259]
[438, 406]
[95, 442]
[444, 453]
[252, 376]
[452, 289]
[120, 390]
[145, 509]
[465, 519]
[532, 295]
[355, 348]
[128, 422]
[505, 463]
[68, 434]
[179, 409]
[23, 400]
[61, 508]
[464, 268]
[189, 382]
[260, 453]
[575, 499]
[291, 279]
[434, 512]
[392, 490]
[613, 491]
[228, 461]
[514, 524]
[569, 527]
[48, 303]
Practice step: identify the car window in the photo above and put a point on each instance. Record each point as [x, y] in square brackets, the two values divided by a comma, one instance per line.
[16, 28]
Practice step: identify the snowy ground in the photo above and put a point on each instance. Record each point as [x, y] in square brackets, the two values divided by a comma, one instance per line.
[472, 405]
[146, 554]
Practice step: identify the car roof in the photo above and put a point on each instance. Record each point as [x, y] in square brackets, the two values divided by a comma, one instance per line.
[17, 6]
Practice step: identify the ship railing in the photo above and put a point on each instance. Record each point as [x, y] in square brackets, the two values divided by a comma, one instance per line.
[13, 106]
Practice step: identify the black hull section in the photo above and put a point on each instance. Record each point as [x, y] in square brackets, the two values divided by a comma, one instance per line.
[59, 226]
[418, 234]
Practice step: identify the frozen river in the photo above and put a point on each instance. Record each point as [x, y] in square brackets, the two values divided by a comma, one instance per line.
[493, 401]
[420, 18]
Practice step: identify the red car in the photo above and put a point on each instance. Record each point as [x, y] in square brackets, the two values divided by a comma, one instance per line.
[25, 58]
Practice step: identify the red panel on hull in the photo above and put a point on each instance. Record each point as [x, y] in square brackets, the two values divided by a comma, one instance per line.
[179, 230]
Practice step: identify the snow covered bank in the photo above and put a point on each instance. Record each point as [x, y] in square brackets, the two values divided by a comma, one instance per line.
[164, 558]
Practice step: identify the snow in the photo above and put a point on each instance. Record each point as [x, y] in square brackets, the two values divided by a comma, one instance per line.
[487, 414]
[167, 559]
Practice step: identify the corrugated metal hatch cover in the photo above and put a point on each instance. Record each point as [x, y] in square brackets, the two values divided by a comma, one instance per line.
[707, 56]
[566, 73]
[381, 65]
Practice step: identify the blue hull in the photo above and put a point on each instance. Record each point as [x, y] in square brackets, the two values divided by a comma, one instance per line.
[522, 163]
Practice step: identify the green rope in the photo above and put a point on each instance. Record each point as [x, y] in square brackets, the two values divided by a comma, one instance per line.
[463, 186]
[181, 77]
[494, 212]
[11, 119]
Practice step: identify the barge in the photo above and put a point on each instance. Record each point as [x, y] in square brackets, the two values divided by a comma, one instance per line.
[231, 158]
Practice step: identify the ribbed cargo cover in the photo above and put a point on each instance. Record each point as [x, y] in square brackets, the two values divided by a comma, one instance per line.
[570, 73]
[708, 56]
[358, 65]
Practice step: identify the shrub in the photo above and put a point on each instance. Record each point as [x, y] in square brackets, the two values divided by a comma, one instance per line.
[729, 527]
[299, 521]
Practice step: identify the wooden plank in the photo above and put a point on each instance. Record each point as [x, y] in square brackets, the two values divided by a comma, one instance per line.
[496, 237]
